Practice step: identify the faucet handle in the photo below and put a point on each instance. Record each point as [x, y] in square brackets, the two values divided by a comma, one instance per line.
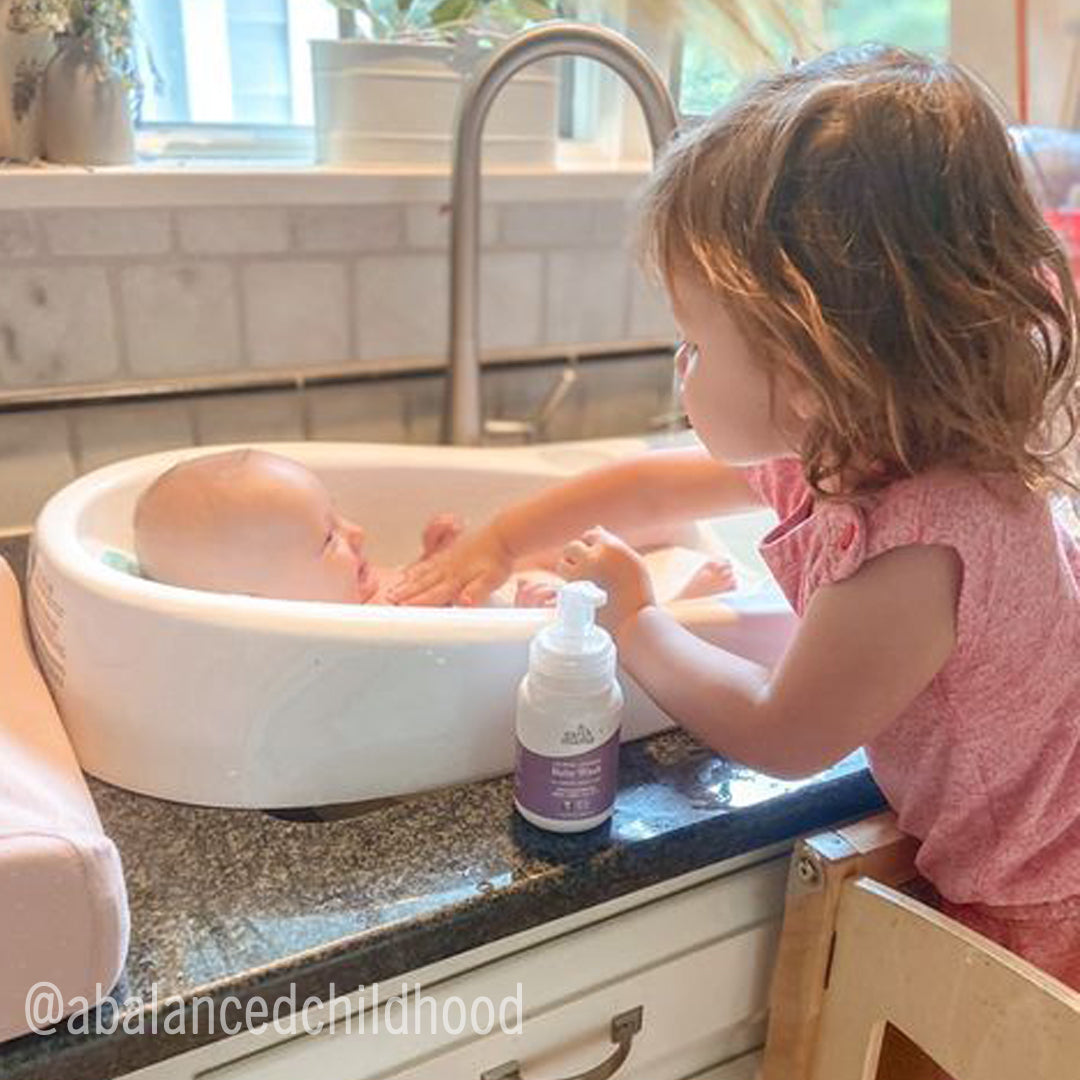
[530, 428]
[672, 420]
[509, 429]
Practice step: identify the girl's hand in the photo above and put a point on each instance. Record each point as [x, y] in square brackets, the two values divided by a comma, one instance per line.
[612, 564]
[465, 573]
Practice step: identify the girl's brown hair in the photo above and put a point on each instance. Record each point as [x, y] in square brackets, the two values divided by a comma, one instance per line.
[864, 219]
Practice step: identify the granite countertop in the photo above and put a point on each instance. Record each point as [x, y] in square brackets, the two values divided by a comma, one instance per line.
[246, 902]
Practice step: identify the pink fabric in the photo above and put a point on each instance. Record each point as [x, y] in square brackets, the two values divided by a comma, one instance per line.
[1046, 935]
[984, 766]
[65, 915]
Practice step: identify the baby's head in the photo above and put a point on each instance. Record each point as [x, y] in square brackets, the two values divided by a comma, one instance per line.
[247, 521]
[868, 283]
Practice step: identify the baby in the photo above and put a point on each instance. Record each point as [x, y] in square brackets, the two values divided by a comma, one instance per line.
[257, 523]
[248, 521]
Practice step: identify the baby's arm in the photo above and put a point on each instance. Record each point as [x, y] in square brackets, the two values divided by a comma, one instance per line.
[865, 648]
[669, 485]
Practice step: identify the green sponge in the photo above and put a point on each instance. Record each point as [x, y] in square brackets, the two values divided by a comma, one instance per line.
[121, 561]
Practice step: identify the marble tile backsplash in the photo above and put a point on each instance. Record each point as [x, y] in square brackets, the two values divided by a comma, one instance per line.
[107, 295]
[124, 297]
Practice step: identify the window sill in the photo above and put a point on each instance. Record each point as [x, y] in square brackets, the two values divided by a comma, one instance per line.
[278, 184]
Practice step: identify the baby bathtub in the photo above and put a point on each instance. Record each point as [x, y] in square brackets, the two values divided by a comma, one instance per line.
[238, 701]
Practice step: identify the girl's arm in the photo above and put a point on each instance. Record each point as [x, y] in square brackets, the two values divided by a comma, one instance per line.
[627, 497]
[865, 648]
[664, 486]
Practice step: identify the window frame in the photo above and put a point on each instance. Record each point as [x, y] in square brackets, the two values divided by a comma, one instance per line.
[611, 134]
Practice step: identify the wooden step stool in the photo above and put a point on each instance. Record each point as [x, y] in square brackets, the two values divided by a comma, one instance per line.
[871, 983]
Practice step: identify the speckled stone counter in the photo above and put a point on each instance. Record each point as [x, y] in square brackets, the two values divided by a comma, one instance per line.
[244, 902]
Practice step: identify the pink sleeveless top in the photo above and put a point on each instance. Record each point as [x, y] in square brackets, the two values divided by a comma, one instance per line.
[984, 766]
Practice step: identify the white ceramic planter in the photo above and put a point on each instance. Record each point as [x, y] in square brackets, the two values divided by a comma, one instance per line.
[86, 120]
[388, 103]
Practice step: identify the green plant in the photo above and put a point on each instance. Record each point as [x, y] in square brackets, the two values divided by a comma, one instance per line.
[447, 19]
[109, 24]
[746, 32]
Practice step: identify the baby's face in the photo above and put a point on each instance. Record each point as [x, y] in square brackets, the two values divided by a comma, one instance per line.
[253, 523]
[304, 547]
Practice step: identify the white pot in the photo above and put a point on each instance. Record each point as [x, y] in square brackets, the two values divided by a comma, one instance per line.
[389, 103]
[86, 120]
[22, 60]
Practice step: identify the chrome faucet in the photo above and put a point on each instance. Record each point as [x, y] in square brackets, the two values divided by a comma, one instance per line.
[461, 413]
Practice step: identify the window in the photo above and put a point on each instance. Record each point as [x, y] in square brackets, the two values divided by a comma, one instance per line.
[234, 80]
[234, 76]
[922, 25]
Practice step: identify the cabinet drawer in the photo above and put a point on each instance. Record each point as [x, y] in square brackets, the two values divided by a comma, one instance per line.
[688, 1005]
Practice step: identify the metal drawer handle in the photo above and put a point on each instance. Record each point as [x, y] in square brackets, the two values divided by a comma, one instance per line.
[623, 1029]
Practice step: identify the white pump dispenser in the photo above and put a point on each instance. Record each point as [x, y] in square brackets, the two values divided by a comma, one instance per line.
[569, 707]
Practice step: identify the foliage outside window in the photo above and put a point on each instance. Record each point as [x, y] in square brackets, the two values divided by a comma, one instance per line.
[921, 25]
[411, 20]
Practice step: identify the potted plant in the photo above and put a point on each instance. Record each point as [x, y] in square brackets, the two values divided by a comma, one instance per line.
[86, 88]
[387, 97]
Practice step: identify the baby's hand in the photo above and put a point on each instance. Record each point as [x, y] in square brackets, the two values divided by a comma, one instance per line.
[612, 564]
[465, 573]
[439, 533]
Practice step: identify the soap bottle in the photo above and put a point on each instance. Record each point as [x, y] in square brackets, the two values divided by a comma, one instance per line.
[568, 712]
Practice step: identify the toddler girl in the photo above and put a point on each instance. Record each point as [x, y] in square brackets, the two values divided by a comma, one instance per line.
[879, 344]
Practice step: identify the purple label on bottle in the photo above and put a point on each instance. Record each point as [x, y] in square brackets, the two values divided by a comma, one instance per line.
[568, 788]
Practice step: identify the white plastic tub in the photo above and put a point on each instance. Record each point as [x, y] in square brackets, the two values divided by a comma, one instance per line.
[237, 701]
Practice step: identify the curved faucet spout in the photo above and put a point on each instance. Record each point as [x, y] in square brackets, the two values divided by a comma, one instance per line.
[461, 415]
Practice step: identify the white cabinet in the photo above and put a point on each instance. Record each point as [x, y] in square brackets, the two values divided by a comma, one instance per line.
[694, 1014]
[696, 963]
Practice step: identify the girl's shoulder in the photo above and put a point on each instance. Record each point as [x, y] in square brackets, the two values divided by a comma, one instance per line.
[950, 497]
[950, 502]
[972, 512]
[999, 530]
[1004, 535]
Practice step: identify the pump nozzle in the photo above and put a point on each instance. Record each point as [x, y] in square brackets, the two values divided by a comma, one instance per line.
[571, 654]
[576, 610]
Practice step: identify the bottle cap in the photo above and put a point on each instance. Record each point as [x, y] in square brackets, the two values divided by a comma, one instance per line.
[573, 654]
[575, 612]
